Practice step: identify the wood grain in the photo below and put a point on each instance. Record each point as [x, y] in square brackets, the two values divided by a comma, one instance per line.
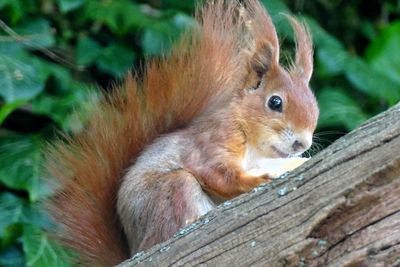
[341, 208]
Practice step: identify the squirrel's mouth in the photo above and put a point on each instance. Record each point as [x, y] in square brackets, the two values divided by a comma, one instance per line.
[279, 152]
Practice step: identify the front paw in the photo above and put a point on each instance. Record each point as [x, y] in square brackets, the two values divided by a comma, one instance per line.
[267, 178]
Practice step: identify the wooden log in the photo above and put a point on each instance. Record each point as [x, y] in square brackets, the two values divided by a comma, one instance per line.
[341, 208]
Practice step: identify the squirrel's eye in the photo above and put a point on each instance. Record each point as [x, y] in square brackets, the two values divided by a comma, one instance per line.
[275, 103]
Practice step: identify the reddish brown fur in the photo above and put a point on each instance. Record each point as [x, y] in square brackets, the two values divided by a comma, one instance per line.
[206, 72]
[216, 159]
[196, 77]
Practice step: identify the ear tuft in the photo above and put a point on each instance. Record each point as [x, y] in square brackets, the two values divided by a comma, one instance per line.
[262, 59]
[304, 48]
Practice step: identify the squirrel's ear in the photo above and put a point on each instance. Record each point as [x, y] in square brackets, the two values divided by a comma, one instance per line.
[304, 49]
[262, 59]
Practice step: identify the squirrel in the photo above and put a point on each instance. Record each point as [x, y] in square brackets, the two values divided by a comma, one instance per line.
[215, 118]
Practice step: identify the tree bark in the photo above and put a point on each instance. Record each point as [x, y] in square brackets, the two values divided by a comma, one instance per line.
[341, 208]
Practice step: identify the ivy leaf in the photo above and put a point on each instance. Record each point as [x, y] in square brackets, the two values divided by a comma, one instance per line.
[116, 60]
[380, 53]
[153, 43]
[10, 234]
[87, 51]
[40, 250]
[119, 16]
[103, 12]
[183, 5]
[21, 167]
[15, 211]
[372, 82]
[335, 59]
[4, 3]
[339, 109]
[63, 79]
[6, 109]
[16, 9]
[159, 37]
[36, 33]
[12, 257]
[69, 110]
[182, 22]
[22, 76]
[276, 7]
[69, 5]
[135, 16]
[11, 211]
[20, 80]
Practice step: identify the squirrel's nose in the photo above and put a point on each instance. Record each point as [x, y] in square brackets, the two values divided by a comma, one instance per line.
[302, 142]
[297, 145]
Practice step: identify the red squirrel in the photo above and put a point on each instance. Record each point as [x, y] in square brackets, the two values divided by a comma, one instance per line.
[215, 118]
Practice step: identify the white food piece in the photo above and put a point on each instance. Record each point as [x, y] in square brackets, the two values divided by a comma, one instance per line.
[274, 167]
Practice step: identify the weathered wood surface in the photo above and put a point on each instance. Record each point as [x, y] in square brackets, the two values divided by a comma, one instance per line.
[342, 208]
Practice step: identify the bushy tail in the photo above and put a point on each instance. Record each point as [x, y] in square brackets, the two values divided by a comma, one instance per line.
[202, 71]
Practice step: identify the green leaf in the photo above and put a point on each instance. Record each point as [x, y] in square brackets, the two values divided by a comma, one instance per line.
[21, 167]
[12, 257]
[37, 33]
[22, 77]
[69, 110]
[87, 51]
[16, 9]
[103, 12]
[181, 22]
[4, 3]
[116, 60]
[11, 211]
[334, 59]
[153, 43]
[10, 234]
[184, 5]
[276, 6]
[119, 16]
[331, 54]
[371, 82]
[135, 16]
[339, 109]
[41, 250]
[381, 55]
[8, 108]
[328, 65]
[69, 5]
[15, 211]
[159, 37]
[63, 78]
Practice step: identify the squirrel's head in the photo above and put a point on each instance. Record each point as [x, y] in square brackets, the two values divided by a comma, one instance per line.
[281, 112]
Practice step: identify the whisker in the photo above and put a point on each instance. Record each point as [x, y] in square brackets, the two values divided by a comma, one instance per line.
[325, 133]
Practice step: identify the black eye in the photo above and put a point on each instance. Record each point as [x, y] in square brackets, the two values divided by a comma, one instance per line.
[275, 103]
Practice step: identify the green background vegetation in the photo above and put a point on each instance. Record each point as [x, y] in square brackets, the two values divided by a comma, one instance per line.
[55, 53]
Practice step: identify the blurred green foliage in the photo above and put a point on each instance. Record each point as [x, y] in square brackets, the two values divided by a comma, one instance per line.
[55, 53]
